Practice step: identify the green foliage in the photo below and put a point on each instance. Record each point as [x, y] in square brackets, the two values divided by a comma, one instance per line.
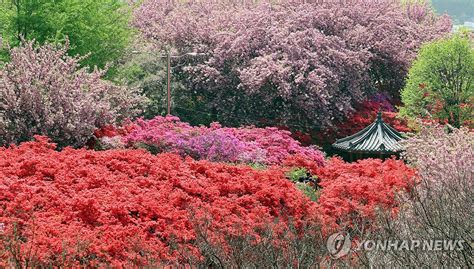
[96, 28]
[258, 166]
[297, 173]
[440, 83]
[146, 71]
[309, 191]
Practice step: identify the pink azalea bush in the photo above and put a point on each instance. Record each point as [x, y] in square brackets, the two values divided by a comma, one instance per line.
[215, 146]
[277, 144]
[216, 143]
[44, 91]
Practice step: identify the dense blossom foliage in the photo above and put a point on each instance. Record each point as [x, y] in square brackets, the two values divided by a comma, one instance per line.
[441, 154]
[44, 91]
[299, 63]
[82, 207]
[352, 192]
[161, 192]
[214, 143]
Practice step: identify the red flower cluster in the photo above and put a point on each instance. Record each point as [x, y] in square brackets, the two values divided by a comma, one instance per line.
[81, 207]
[351, 192]
[111, 130]
[364, 116]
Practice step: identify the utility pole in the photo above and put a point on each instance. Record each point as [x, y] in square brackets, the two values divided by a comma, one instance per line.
[168, 57]
[168, 70]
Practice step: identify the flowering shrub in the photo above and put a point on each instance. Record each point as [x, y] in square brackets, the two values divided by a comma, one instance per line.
[216, 146]
[450, 150]
[44, 91]
[216, 143]
[111, 130]
[351, 192]
[80, 207]
[278, 144]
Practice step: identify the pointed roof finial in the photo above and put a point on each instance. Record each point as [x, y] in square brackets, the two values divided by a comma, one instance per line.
[379, 115]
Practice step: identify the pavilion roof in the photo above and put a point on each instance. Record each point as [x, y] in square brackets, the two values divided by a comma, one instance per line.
[377, 138]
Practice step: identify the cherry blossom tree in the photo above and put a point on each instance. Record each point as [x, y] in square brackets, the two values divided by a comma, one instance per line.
[44, 91]
[302, 64]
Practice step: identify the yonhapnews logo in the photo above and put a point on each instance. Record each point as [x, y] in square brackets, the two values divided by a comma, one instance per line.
[340, 244]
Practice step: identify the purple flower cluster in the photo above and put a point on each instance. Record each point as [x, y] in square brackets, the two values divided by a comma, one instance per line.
[216, 143]
[216, 146]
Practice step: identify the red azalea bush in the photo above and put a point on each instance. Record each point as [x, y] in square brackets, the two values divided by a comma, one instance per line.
[111, 130]
[215, 143]
[351, 192]
[79, 207]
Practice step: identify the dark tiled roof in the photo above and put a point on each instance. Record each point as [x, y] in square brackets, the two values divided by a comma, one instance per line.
[378, 137]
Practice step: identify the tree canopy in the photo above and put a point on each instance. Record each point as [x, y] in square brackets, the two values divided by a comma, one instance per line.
[440, 83]
[97, 28]
[296, 63]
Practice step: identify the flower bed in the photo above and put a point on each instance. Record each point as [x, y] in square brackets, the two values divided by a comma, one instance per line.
[352, 192]
[215, 143]
[131, 208]
[128, 207]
